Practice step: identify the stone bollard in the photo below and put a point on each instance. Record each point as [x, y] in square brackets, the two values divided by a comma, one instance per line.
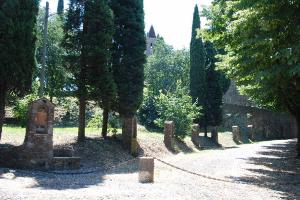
[195, 134]
[129, 134]
[250, 132]
[146, 170]
[214, 134]
[169, 134]
[236, 135]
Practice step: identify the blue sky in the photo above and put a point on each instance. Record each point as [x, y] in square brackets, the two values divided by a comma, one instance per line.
[172, 19]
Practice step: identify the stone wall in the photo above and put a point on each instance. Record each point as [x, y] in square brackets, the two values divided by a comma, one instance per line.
[266, 124]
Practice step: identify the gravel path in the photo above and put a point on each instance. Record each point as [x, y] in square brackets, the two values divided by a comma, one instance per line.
[266, 170]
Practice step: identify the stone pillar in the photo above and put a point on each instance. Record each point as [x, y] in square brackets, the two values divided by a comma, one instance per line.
[236, 134]
[169, 134]
[38, 144]
[250, 132]
[146, 170]
[195, 134]
[129, 135]
[214, 134]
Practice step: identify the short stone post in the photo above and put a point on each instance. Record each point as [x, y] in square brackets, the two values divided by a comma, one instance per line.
[195, 134]
[250, 132]
[169, 134]
[214, 134]
[129, 135]
[236, 135]
[146, 170]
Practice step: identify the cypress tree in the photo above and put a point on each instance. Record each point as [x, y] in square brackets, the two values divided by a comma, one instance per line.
[213, 108]
[197, 71]
[98, 43]
[74, 29]
[17, 44]
[129, 56]
[60, 7]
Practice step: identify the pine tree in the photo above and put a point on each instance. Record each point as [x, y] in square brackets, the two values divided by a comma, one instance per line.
[213, 109]
[60, 7]
[98, 43]
[129, 56]
[17, 44]
[75, 58]
[197, 71]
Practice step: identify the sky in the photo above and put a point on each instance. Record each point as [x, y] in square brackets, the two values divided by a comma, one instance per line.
[172, 19]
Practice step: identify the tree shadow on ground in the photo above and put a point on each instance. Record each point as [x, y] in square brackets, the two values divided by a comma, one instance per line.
[279, 170]
[181, 146]
[206, 142]
[99, 158]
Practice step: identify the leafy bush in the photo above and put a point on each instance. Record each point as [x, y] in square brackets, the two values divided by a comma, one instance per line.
[20, 109]
[95, 121]
[114, 123]
[147, 114]
[177, 107]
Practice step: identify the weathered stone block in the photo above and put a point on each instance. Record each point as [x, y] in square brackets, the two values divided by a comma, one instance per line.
[146, 170]
[236, 134]
[214, 134]
[250, 132]
[195, 134]
[129, 135]
[169, 134]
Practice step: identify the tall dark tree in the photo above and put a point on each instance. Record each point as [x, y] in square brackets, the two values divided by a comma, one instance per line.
[129, 55]
[197, 71]
[60, 7]
[214, 93]
[74, 44]
[17, 44]
[98, 44]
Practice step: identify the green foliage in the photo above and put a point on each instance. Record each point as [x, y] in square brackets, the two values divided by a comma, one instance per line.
[129, 55]
[17, 44]
[163, 70]
[114, 123]
[165, 67]
[95, 121]
[20, 110]
[148, 112]
[177, 107]
[197, 62]
[97, 40]
[261, 49]
[57, 77]
[60, 7]
[214, 93]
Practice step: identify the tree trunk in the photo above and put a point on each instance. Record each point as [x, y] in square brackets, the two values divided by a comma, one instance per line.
[298, 134]
[81, 120]
[205, 131]
[105, 123]
[2, 108]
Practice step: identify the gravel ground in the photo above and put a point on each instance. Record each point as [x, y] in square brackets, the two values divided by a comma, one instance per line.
[266, 170]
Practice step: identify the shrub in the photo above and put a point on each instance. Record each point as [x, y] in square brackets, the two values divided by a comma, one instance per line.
[95, 121]
[177, 107]
[147, 114]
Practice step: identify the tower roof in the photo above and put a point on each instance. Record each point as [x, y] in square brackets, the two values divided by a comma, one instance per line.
[151, 33]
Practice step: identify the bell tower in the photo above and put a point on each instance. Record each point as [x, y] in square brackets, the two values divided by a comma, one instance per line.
[151, 40]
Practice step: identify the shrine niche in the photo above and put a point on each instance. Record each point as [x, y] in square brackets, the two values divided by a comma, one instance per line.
[38, 142]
